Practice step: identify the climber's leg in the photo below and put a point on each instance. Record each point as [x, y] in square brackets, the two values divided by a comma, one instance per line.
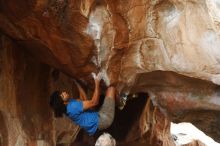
[107, 111]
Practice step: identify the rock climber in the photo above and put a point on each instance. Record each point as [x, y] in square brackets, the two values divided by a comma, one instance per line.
[81, 112]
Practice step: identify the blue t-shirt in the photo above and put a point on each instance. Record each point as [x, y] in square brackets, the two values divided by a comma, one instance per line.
[87, 120]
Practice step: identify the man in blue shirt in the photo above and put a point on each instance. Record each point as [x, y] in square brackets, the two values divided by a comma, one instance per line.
[79, 111]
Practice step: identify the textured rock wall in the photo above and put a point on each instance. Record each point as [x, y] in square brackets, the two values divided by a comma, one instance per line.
[25, 116]
[122, 38]
[183, 99]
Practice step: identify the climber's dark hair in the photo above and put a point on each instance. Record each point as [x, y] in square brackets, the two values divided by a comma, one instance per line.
[57, 104]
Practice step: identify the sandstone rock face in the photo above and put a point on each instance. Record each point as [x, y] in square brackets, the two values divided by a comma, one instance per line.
[24, 110]
[167, 48]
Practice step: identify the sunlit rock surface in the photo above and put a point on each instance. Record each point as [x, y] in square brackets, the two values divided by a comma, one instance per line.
[187, 134]
[167, 48]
